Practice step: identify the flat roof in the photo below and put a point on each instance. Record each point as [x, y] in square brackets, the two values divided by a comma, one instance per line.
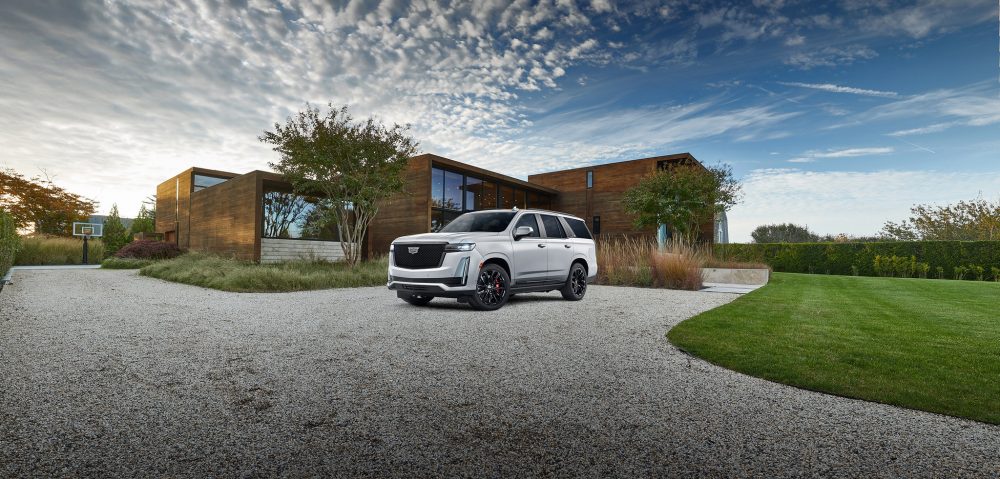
[675, 156]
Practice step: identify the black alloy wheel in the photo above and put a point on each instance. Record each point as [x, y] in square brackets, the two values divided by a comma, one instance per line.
[492, 288]
[576, 283]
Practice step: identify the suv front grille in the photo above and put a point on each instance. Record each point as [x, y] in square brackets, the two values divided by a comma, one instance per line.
[426, 255]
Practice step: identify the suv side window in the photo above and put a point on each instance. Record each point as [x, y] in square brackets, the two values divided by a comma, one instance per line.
[530, 221]
[579, 228]
[553, 229]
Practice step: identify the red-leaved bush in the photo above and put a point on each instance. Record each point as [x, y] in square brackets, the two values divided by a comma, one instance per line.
[144, 249]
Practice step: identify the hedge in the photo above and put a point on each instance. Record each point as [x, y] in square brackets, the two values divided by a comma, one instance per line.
[10, 242]
[859, 258]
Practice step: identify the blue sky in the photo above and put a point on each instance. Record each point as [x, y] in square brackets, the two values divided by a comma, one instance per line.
[838, 115]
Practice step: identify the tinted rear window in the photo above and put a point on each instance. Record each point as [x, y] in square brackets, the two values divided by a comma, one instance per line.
[553, 228]
[579, 228]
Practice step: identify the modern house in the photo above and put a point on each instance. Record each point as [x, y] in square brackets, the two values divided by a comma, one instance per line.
[256, 216]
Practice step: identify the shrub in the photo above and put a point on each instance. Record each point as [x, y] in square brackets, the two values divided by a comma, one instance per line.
[838, 258]
[10, 242]
[54, 250]
[624, 261]
[940, 272]
[996, 273]
[977, 272]
[126, 263]
[922, 269]
[960, 272]
[145, 249]
[676, 270]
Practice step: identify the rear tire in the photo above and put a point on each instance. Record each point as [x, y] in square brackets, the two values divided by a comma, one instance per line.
[417, 299]
[492, 289]
[576, 283]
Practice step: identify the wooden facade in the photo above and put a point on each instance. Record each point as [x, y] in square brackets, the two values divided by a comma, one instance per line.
[222, 213]
[594, 193]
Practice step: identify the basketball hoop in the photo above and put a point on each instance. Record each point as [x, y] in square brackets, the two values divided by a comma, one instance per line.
[87, 231]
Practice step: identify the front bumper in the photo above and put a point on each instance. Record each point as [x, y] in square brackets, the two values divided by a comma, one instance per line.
[455, 277]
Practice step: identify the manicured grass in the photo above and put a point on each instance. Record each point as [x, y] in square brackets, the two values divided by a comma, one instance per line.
[923, 344]
[242, 276]
[126, 263]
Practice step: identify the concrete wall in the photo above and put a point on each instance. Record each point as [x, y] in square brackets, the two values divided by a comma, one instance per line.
[735, 276]
[273, 250]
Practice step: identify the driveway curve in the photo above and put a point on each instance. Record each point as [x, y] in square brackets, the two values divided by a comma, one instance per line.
[106, 373]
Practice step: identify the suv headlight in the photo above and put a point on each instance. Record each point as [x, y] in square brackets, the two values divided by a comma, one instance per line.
[460, 246]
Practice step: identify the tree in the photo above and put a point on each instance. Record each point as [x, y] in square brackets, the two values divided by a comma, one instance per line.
[145, 221]
[783, 233]
[974, 220]
[355, 167]
[115, 234]
[38, 202]
[683, 198]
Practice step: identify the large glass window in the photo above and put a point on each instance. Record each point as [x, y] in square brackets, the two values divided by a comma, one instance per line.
[520, 198]
[202, 181]
[437, 187]
[473, 193]
[489, 200]
[453, 193]
[291, 216]
[506, 197]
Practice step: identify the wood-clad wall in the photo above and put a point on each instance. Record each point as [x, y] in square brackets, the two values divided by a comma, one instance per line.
[404, 213]
[172, 200]
[225, 218]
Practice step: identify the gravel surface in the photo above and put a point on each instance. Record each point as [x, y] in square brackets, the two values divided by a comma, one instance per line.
[105, 373]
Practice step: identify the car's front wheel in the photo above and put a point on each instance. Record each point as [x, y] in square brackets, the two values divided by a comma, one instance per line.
[576, 283]
[417, 299]
[492, 288]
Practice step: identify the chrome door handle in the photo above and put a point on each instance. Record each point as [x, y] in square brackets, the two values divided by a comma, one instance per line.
[541, 245]
[566, 246]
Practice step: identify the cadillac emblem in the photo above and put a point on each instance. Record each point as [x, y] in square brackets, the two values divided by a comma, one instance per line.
[413, 249]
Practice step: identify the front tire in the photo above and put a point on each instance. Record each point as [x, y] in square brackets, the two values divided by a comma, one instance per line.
[492, 288]
[576, 283]
[417, 299]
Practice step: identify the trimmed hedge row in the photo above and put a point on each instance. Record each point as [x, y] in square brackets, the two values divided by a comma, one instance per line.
[10, 242]
[859, 258]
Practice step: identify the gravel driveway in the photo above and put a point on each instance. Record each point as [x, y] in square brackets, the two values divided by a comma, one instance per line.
[111, 374]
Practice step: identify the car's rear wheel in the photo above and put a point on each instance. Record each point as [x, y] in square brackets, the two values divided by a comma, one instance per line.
[492, 288]
[576, 283]
[417, 299]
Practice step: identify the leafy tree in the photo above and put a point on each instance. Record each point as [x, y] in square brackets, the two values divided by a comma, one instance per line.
[115, 234]
[683, 197]
[38, 202]
[145, 221]
[355, 166]
[974, 220]
[783, 233]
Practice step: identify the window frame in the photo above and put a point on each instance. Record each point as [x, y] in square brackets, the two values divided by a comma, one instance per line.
[590, 179]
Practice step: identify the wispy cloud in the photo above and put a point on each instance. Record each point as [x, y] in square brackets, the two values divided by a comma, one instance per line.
[812, 155]
[831, 56]
[829, 87]
[937, 127]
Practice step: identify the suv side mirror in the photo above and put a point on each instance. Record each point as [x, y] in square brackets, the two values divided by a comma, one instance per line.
[523, 231]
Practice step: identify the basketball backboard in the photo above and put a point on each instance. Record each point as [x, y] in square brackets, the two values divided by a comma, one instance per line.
[91, 230]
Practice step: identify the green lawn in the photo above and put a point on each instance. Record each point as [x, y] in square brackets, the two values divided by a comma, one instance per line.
[923, 344]
[246, 277]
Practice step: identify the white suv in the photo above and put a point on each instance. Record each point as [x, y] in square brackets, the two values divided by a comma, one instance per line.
[484, 257]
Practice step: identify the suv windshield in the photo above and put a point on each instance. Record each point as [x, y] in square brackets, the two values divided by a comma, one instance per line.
[489, 222]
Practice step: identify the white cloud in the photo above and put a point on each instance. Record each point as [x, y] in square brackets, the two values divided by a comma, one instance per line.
[601, 6]
[813, 155]
[795, 40]
[831, 57]
[851, 202]
[923, 130]
[829, 87]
